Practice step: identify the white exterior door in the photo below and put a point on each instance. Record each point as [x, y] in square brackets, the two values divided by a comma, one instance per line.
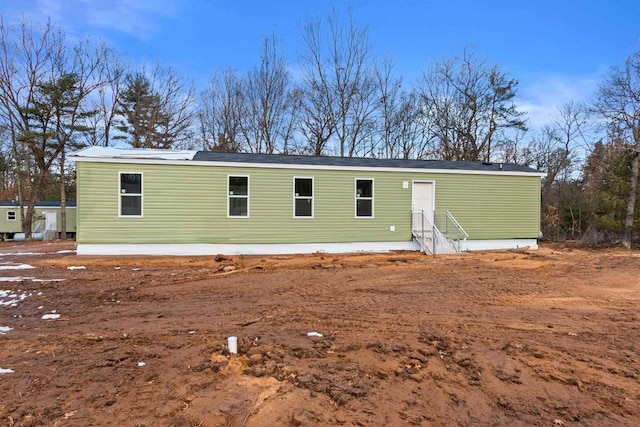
[422, 196]
[50, 225]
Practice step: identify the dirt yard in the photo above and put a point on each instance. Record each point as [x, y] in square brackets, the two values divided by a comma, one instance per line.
[548, 337]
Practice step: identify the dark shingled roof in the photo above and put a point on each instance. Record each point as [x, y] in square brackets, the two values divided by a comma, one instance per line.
[43, 204]
[348, 162]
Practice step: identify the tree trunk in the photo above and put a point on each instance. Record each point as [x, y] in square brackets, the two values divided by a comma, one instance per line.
[27, 223]
[63, 199]
[34, 197]
[631, 201]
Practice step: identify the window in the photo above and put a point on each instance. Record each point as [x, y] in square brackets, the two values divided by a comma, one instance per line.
[364, 198]
[303, 197]
[130, 194]
[238, 196]
[11, 215]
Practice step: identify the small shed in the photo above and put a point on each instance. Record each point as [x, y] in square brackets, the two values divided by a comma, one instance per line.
[47, 219]
[198, 202]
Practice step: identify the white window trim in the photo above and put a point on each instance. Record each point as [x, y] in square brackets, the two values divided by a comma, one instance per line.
[313, 195]
[120, 195]
[229, 196]
[355, 198]
[15, 216]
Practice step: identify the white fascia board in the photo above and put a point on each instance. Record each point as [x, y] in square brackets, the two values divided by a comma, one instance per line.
[296, 166]
[127, 153]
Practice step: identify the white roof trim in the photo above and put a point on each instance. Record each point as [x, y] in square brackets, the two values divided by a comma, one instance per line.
[123, 153]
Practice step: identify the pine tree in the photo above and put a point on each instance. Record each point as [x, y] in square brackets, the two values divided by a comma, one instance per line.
[155, 110]
[605, 184]
[139, 110]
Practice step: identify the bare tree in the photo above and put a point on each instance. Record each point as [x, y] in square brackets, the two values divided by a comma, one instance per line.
[66, 94]
[399, 121]
[339, 86]
[317, 110]
[389, 88]
[103, 103]
[555, 150]
[220, 112]
[267, 124]
[409, 126]
[471, 105]
[28, 56]
[618, 101]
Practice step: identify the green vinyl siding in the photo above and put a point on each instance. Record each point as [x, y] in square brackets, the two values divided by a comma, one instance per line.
[7, 226]
[189, 204]
[491, 206]
[16, 226]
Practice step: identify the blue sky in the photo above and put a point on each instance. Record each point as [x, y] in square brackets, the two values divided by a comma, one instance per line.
[558, 50]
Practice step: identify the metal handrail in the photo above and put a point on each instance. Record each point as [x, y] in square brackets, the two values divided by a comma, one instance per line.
[460, 232]
[421, 229]
[436, 234]
[449, 216]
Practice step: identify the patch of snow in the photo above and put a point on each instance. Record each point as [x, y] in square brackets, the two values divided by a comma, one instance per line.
[13, 300]
[6, 371]
[16, 267]
[50, 316]
[76, 267]
[14, 297]
[19, 253]
[314, 334]
[5, 329]
[22, 278]
[141, 364]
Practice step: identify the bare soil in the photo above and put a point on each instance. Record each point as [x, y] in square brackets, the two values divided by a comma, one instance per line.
[548, 337]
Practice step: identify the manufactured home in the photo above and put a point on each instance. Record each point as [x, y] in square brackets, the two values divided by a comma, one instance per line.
[197, 203]
[47, 219]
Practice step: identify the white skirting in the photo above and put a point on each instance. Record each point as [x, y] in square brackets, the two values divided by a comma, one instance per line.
[273, 249]
[258, 249]
[496, 245]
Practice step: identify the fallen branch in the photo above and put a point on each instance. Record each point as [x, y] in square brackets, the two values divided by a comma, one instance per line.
[251, 322]
[255, 267]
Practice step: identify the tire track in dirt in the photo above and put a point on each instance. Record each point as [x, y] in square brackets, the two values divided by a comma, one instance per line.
[481, 339]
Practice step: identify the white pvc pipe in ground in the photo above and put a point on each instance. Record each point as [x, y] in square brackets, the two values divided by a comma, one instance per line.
[232, 342]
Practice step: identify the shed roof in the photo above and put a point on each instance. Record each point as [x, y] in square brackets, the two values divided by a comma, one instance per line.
[40, 204]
